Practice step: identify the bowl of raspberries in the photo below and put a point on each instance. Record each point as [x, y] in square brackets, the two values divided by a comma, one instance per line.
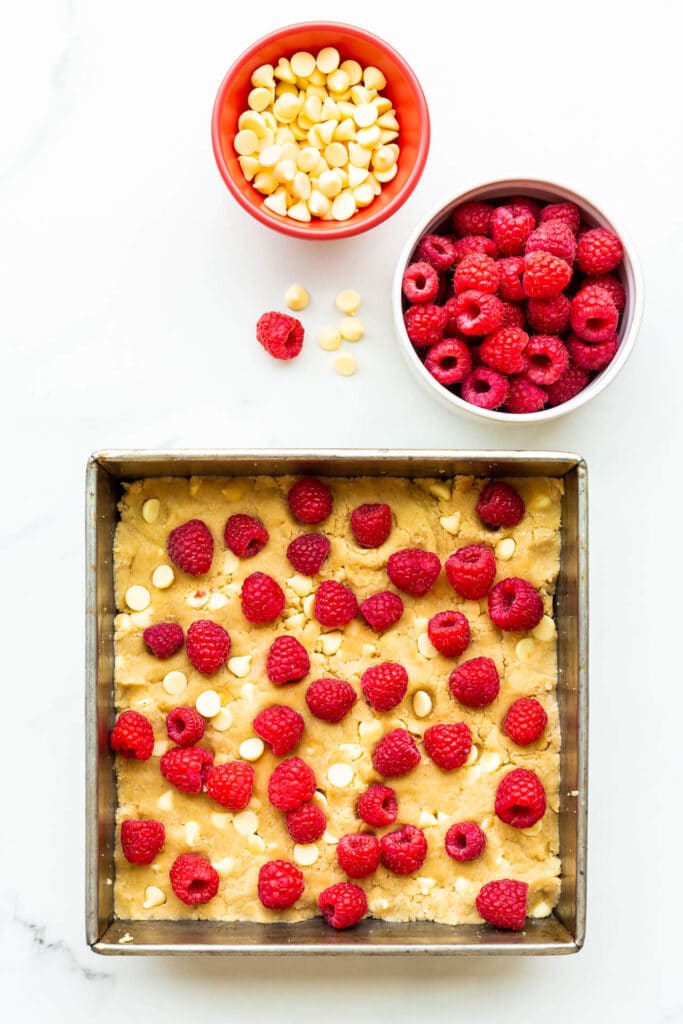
[518, 300]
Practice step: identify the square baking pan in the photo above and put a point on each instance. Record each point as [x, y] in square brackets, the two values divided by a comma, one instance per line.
[562, 932]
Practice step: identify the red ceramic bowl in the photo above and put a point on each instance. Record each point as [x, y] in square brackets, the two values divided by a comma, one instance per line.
[402, 88]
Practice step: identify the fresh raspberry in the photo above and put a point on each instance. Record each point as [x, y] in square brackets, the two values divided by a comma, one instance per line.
[592, 357]
[208, 646]
[449, 632]
[545, 275]
[190, 547]
[280, 726]
[425, 324]
[611, 284]
[262, 598]
[186, 767]
[308, 552]
[568, 213]
[599, 251]
[448, 744]
[384, 685]
[513, 315]
[396, 754]
[280, 884]
[485, 388]
[477, 313]
[525, 721]
[549, 316]
[245, 535]
[185, 726]
[420, 282]
[510, 228]
[548, 359]
[502, 903]
[306, 824]
[524, 397]
[449, 361]
[465, 841]
[335, 604]
[287, 661]
[475, 243]
[358, 854]
[437, 250]
[404, 850]
[231, 784]
[553, 236]
[526, 204]
[281, 335]
[510, 272]
[132, 736]
[291, 784]
[330, 699]
[413, 570]
[500, 505]
[573, 380]
[514, 604]
[520, 798]
[593, 315]
[472, 218]
[141, 840]
[471, 571]
[310, 500]
[377, 806]
[193, 879]
[475, 683]
[343, 904]
[382, 610]
[476, 271]
[504, 350]
[371, 524]
[163, 639]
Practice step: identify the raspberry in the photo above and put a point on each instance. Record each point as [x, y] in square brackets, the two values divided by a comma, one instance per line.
[262, 598]
[132, 736]
[549, 316]
[475, 243]
[425, 324]
[280, 884]
[208, 646]
[472, 218]
[281, 335]
[476, 271]
[553, 236]
[593, 315]
[280, 726]
[308, 552]
[163, 639]
[291, 784]
[343, 904]
[548, 359]
[384, 685]
[330, 699]
[186, 767]
[465, 841]
[510, 272]
[612, 285]
[485, 388]
[545, 275]
[306, 824]
[592, 357]
[502, 903]
[382, 610]
[525, 721]
[287, 661]
[573, 380]
[371, 525]
[193, 879]
[245, 535]
[510, 228]
[404, 850]
[513, 315]
[185, 726]
[520, 798]
[505, 350]
[471, 571]
[477, 313]
[437, 250]
[568, 213]
[231, 784]
[500, 505]
[599, 251]
[396, 754]
[514, 604]
[413, 570]
[519, 204]
[475, 683]
[377, 805]
[449, 361]
[310, 500]
[524, 396]
[358, 854]
[335, 604]
[420, 282]
[190, 547]
[448, 744]
[449, 632]
[141, 840]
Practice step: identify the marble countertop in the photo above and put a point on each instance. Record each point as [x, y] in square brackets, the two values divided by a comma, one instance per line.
[130, 283]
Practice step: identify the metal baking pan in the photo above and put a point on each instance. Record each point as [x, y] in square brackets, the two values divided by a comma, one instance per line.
[563, 932]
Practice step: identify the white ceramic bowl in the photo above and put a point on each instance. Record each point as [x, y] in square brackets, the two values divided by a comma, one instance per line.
[629, 274]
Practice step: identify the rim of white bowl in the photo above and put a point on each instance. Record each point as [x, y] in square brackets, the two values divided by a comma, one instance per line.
[550, 191]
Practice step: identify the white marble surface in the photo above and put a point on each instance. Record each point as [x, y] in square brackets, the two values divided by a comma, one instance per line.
[129, 287]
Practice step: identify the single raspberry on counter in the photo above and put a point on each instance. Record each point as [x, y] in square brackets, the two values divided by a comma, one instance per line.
[505, 350]
[612, 285]
[437, 250]
[471, 571]
[281, 335]
[404, 850]
[141, 840]
[280, 884]
[520, 798]
[477, 272]
[525, 721]
[371, 524]
[262, 598]
[502, 903]
[448, 744]
[568, 213]
[132, 736]
[477, 313]
[163, 639]
[548, 359]
[545, 275]
[396, 754]
[474, 243]
[384, 685]
[306, 824]
[465, 841]
[193, 879]
[310, 500]
[330, 700]
[280, 726]
[524, 397]
[599, 251]
[343, 904]
[420, 282]
[449, 361]
[514, 605]
[382, 610]
[245, 535]
[308, 552]
[208, 646]
[573, 380]
[190, 547]
[593, 315]
[377, 806]
[185, 726]
[553, 236]
[549, 316]
[514, 315]
[291, 784]
[511, 227]
[231, 784]
[475, 683]
[472, 218]
[592, 357]
[425, 324]
[510, 272]
[485, 388]
[499, 504]
[287, 661]
[335, 604]
[358, 854]
[186, 767]
[413, 570]
[449, 632]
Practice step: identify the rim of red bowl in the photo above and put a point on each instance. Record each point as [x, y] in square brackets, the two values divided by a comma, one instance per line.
[361, 221]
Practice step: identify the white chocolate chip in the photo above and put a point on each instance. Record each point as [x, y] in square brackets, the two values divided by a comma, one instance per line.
[540, 909]
[154, 897]
[302, 63]
[263, 76]
[330, 643]
[160, 748]
[197, 599]
[427, 818]
[208, 703]
[545, 631]
[309, 606]
[373, 78]
[524, 649]
[329, 338]
[351, 328]
[222, 721]
[165, 801]
[174, 683]
[246, 141]
[344, 206]
[296, 297]
[252, 748]
[348, 301]
[256, 845]
[240, 666]
[301, 585]
[224, 867]
[490, 761]
[162, 577]
[471, 774]
[540, 503]
[329, 838]
[295, 621]
[138, 598]
[305, 854]
[426, 647]
[442, 817]
[451, 524]
[340, 774]
[368, 650]
[192, 831]
[378, 906]
[248, 692]
[217, 601]
[327, 60]
[422, 704]
[533, 830]
[462, 885]
[370, 730]
[352, 750]
[141, 620]
[246, 823]
[473, 754]
[345, 364]
[440, 489]
[425, 885]
[150, 510]
[219, 820]
[505, 549]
